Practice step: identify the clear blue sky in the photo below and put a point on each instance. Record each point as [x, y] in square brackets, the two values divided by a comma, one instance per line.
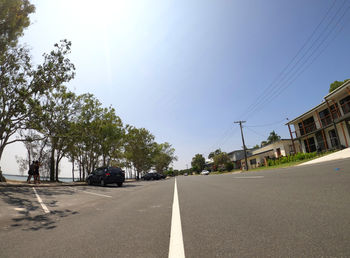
[186, 70]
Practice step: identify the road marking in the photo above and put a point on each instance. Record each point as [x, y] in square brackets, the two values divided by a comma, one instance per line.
[46, 210]
[96, 194]
[240, 177]
[176, 245]
[20, 209]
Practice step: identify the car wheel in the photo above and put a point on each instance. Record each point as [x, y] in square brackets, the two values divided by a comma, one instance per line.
[120, 184]
[102, 182]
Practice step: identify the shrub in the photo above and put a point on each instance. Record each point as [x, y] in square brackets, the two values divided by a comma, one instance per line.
[229, 166]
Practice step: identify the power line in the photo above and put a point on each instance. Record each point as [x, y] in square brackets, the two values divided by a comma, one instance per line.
[286, 75]
[265, 125]
[295, 56]
[259, 134]
[306, 65]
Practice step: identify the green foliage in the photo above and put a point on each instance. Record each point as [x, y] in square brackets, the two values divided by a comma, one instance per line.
[212, 154]
[140, 148]
[164, 156]
[292, 158]
[54, 122]
[229, 166]
[256, 146]
[273, 137]
[198, 163]
[336, 84]
[221, 159]
[14, 18]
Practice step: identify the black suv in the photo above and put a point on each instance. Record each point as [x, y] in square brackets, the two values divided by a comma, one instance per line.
[153, 176]
[106, 175]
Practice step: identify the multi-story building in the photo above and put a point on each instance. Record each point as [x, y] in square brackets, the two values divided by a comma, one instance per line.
[326, 126]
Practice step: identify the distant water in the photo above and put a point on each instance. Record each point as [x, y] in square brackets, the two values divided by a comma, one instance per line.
[24, 178]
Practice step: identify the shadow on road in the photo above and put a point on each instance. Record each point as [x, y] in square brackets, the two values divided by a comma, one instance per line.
[29, 212]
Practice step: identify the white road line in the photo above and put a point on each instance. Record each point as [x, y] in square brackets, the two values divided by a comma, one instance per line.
[176, 245]
[244, 177]
[96, 194]
[46, 210]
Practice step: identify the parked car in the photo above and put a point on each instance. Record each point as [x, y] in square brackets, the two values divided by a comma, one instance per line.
[185, 174]
[153, 176]
[106, 175]
[205, 172]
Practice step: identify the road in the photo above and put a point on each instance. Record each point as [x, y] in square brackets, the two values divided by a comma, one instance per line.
[292, 212]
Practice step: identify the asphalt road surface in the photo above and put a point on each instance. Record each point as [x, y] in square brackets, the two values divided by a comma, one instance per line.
[292, 212]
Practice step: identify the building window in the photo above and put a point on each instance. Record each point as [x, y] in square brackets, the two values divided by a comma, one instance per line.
[334, 110]
[309, 126]
[253, 162]
[325, 117]
[334, 139]
[291, 149]
[320, 142]
[310, 145]
[278, 150]
[345, 104]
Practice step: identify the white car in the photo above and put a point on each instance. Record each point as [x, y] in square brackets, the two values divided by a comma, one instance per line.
[205, 172]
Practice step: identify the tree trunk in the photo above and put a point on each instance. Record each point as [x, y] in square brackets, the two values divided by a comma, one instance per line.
[79, 170]
[52, 165]
[56, 168]
[73, 170]
[83, 173]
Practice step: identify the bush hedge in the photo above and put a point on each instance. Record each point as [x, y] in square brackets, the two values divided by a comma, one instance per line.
[292, 158]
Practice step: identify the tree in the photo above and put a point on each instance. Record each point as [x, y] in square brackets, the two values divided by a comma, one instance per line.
[14, 18]
[221, 159]
[212, 154]
[198, 163]
[273, 137]
[86, 134]
[54, 122]
[139, 149]
[263, 143]
[164, 156]
[256, 146]
[111, 136]
[16, 94]
[336, 84]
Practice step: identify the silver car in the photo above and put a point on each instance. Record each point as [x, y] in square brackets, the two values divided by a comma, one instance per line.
[205, 172]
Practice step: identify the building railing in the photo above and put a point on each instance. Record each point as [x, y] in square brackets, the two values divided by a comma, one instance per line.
[326, 120]
[308, 128]
[334, 113]
[346, 107]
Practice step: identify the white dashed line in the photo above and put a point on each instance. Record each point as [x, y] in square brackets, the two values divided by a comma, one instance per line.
[46, 210]
[248, 177]
[176, 245]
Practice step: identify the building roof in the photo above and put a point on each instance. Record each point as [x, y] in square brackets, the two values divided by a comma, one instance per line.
[307, 113]
[255, 154]
[337, 90]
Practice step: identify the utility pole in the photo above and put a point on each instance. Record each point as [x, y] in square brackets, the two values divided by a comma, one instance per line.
[245, 150]
[291, 137]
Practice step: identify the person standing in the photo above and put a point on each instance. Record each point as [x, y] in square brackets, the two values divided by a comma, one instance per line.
[31, 172]
[36, 172]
